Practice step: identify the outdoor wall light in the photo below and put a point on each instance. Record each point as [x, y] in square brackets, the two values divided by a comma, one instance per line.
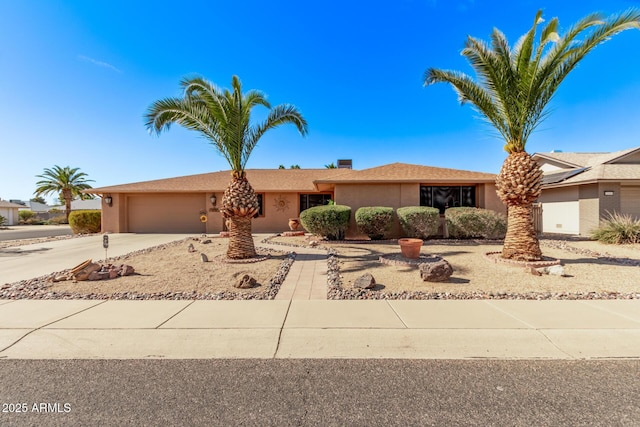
[213, 199]
[108, 200]
[608, 193]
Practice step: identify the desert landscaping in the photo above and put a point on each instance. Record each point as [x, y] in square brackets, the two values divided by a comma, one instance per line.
[592, 270]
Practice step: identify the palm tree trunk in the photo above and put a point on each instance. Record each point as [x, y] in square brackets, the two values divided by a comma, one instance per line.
[66, 194]
[240, 239]
[521, 242]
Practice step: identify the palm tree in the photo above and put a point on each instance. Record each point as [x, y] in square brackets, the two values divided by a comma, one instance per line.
[223, 118]
[330, 166]
[68, 183]
[512, 91]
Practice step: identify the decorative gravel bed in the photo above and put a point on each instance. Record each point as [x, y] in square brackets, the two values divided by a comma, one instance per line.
[194, 274]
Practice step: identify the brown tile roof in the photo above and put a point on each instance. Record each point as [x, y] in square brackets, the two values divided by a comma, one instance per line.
[283, 180]
[404, 172]
[295, 180]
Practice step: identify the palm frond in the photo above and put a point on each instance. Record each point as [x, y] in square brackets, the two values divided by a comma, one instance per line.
[515, 85]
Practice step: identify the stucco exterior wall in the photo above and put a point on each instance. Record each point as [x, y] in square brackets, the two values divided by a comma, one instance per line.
[589, 208]
[609, 203]
[488, 198]
[390, 195]
[11, 215]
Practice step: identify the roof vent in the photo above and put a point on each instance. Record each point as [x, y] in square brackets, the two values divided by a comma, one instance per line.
[345, 164]
[556, 151]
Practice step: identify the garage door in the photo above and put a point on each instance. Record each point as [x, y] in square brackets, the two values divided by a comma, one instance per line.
[165, 213]
[630, 201]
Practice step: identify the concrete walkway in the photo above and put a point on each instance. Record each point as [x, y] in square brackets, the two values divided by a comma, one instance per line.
[79, 329]
[307, 278]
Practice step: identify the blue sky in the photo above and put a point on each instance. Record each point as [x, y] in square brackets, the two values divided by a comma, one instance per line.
[76, 78]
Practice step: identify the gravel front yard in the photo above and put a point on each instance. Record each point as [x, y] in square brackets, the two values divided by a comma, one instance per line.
[593, 270]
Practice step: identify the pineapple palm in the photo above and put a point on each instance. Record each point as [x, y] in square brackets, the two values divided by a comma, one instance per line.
[512, 92]
[223, 118]
[67, 182]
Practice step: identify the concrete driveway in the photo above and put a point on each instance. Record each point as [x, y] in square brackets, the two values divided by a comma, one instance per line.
[15, 232]
[26, 262]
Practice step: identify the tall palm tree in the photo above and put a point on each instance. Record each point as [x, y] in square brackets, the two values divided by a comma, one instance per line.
[223, 117]
[512, 92]
[66, 182]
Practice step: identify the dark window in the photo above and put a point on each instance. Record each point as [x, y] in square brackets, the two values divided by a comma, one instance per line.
[310, 200]
[447, 197]
[260, 206]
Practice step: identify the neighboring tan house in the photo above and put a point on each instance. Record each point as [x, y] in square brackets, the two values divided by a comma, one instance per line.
[81, 205]
[10, 212]
[174, 205]
[580, 189]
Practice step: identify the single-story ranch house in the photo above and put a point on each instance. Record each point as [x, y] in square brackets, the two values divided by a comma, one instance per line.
[9, 211]
[175, 205]
[579, 189]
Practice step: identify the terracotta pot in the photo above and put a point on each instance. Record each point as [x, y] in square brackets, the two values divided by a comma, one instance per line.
[294, 223]
[410, 248]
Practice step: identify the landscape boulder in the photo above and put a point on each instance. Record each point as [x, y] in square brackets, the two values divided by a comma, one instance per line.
[245, 282]
[85, 272]
[554, 270]
[366, 281]
[437, 271]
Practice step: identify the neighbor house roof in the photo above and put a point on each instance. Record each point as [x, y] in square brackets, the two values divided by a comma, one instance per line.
[262, 180]
[5, 204]
[404, 172]
[298, 180]
[583, 168]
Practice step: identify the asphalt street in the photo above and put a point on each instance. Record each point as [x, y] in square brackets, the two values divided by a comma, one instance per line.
[319, 392]
[33, 231]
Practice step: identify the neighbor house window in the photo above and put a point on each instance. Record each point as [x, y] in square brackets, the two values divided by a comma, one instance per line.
[310, 200]
[447, 197]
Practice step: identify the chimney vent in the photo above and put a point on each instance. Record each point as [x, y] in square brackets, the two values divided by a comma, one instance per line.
[345, 164]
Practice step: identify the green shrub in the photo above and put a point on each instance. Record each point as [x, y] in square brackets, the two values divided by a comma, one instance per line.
[618, 229]
[26, 215]
[3, 221]
[330, 221]
[419, 221]
[83, 222]
[374, 221]
[466, 223]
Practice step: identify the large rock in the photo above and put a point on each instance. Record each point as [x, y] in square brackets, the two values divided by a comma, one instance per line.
[366, 281]
[85, 272]
[126, 270]
[554, 270]
[437, 271]
[245, 282]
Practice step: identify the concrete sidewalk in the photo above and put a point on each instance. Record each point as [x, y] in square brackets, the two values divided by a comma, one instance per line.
[489, 329]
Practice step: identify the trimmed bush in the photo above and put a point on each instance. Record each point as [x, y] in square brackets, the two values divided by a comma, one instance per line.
[26, 215]
[419, 221]
[3, 221]
[374, 221]
[618, 229]
[330, 221]
[83, 222]
[468, 223]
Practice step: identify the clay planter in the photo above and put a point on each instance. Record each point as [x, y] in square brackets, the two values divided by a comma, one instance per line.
[294, 223]
[410, 248]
